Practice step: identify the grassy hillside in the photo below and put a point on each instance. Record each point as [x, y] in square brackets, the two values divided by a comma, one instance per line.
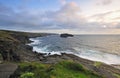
[63, 69]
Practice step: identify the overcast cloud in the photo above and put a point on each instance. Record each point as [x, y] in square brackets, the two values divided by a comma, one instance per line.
[69, 16]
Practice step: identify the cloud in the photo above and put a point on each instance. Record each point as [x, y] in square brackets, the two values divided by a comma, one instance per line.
[63, 2]
[110, 19]
[68, 17]
[104, 2]
[63, 18]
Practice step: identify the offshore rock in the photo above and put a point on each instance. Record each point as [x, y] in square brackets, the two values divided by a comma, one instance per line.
[65, 35]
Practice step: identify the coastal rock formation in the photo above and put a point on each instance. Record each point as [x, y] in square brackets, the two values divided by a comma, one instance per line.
[13, 46]
[65, 35]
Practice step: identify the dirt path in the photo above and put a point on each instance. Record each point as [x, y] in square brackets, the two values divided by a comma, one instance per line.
[7, 69]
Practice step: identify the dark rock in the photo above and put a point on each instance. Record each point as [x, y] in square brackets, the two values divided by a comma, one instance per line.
[49, 53]
[13, 46]
[66, 35]
[29, 47]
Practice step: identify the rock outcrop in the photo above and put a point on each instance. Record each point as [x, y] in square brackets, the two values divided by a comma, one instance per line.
[65, 35]
[13, 46]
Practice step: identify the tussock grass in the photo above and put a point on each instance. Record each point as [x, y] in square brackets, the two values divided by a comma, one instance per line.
[97, 64]
[64, 69]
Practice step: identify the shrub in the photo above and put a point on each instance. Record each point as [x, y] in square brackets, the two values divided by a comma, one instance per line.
[27, 75]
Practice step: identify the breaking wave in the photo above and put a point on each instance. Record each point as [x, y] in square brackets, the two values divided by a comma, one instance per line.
[51, 47]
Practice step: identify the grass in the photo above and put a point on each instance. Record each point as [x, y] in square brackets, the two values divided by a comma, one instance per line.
[117, 75]
[97, 64]
[27, 75]
[6, 36]
[64, 69]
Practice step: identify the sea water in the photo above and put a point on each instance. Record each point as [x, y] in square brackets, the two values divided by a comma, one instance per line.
[103, 48]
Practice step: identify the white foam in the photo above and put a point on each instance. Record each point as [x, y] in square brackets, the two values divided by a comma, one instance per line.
[35, 41]
[83, 53]
[100, 56]
[42, 50]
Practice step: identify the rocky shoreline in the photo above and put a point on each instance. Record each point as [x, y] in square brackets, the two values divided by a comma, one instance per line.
[13, 48]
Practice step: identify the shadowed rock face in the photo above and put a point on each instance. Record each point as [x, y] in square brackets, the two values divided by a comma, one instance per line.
[66, 35]
[13, 46]
[7, 50]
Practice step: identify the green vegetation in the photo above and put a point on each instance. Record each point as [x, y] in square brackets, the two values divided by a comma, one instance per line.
[64, 69]
[97, 64]
[27, 75]
[6, 36]
[117, 75]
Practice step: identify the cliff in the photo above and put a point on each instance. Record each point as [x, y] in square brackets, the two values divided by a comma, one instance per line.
[13, 48]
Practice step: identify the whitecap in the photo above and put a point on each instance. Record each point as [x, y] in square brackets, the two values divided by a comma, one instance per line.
[80, 52]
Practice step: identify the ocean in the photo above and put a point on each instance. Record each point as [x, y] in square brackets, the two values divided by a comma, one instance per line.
[103, 48]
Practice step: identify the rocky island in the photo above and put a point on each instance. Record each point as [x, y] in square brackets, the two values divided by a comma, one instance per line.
[65, 35]
[21, 62]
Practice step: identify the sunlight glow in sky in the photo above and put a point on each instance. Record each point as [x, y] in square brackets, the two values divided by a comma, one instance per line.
[61, 16]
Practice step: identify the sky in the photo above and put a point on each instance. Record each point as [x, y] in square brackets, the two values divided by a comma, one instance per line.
[61, 16]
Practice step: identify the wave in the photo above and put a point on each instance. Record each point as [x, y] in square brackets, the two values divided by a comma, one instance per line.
[34, 42]
[100, 56]
[80, 52]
